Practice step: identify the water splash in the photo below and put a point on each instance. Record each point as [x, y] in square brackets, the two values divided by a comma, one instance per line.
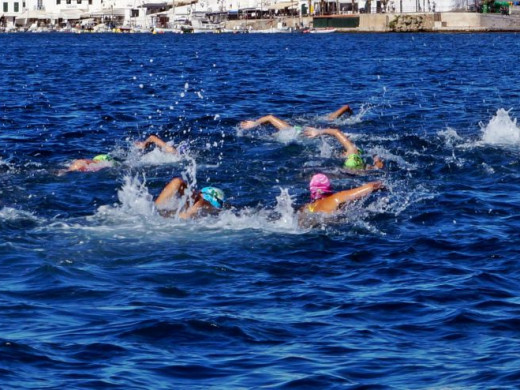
[288, 135]
[136, 158]
[281, 219]
[355, 118]
[12, 214]
[450, 136]
[134, 196]
[501, 130]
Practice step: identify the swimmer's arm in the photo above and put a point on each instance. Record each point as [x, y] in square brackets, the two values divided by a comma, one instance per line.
[336, 114]
[270, 119]
[193, 210]
[349, 146]
[174, 187]
[357, 193]
[158, 142]
[78, 165]
[332, 203]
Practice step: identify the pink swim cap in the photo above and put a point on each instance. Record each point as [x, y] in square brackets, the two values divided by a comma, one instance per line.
[319, 186]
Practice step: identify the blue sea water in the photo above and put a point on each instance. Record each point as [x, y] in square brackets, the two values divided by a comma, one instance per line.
[413, 287]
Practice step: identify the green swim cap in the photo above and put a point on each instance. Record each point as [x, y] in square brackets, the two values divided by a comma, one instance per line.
[354, 161]
[102, 157]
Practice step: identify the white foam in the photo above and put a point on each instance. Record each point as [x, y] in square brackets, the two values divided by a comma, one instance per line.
[136, 158]
[11, 214]
[287, 135]
[326, 148]
[281, 219]
[353, 119]
[501, 130]
[450, 136]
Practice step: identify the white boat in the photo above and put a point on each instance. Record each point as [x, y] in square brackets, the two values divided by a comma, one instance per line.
[208, 22]
[179, 26]
[272, 30]
[322, 30]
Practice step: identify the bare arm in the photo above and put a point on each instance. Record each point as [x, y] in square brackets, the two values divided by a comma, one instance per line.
[193, 210]
[153, 139]
[349, 146]
[174, 187]
[79, 165]
[270, 119]
[336, 114]
[332, 203]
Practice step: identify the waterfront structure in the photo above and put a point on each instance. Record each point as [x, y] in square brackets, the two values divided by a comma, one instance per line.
[176, 15]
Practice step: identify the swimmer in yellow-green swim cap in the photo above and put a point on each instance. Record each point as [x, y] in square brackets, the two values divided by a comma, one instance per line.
[354, 160]
[94, 164]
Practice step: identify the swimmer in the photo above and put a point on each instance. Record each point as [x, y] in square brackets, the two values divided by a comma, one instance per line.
[95, 164]
[155, 140]
[283, 125]
[206, 201]
[325, 200]
[354, 161]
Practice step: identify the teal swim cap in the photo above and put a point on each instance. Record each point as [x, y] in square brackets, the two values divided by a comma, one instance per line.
[215, 196]
[102, 157]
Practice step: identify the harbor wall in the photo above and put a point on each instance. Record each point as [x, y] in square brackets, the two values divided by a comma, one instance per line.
[409, 22]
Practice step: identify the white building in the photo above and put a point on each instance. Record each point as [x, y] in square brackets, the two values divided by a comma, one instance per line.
[390, 6]
[11, 9]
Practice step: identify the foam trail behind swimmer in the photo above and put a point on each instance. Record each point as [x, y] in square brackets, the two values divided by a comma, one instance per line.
[501, 130]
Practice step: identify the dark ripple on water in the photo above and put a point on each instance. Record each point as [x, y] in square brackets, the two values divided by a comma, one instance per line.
[415, 287]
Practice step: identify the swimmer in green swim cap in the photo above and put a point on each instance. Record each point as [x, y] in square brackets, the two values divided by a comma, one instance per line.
[281, 125]
[94, 164]
[354, 160]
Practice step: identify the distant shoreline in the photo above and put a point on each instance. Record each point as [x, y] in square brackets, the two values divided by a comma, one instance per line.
[441, 22]
[431, 22]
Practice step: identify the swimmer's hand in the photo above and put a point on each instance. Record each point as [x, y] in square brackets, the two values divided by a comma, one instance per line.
[140, 144]
[246, 125]
[311, 132]
[378, 163]
[377, 185]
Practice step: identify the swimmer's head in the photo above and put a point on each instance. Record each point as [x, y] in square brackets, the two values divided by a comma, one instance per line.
[378, 162]
[102, 157]
[320, 186]
[215, 196]
[354, 161]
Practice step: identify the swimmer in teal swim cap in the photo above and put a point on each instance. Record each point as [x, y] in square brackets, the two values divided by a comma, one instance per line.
[354, 160]
[207, 200]
[283, 125]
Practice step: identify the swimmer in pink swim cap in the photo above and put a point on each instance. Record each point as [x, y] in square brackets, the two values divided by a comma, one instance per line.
[325, 200]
